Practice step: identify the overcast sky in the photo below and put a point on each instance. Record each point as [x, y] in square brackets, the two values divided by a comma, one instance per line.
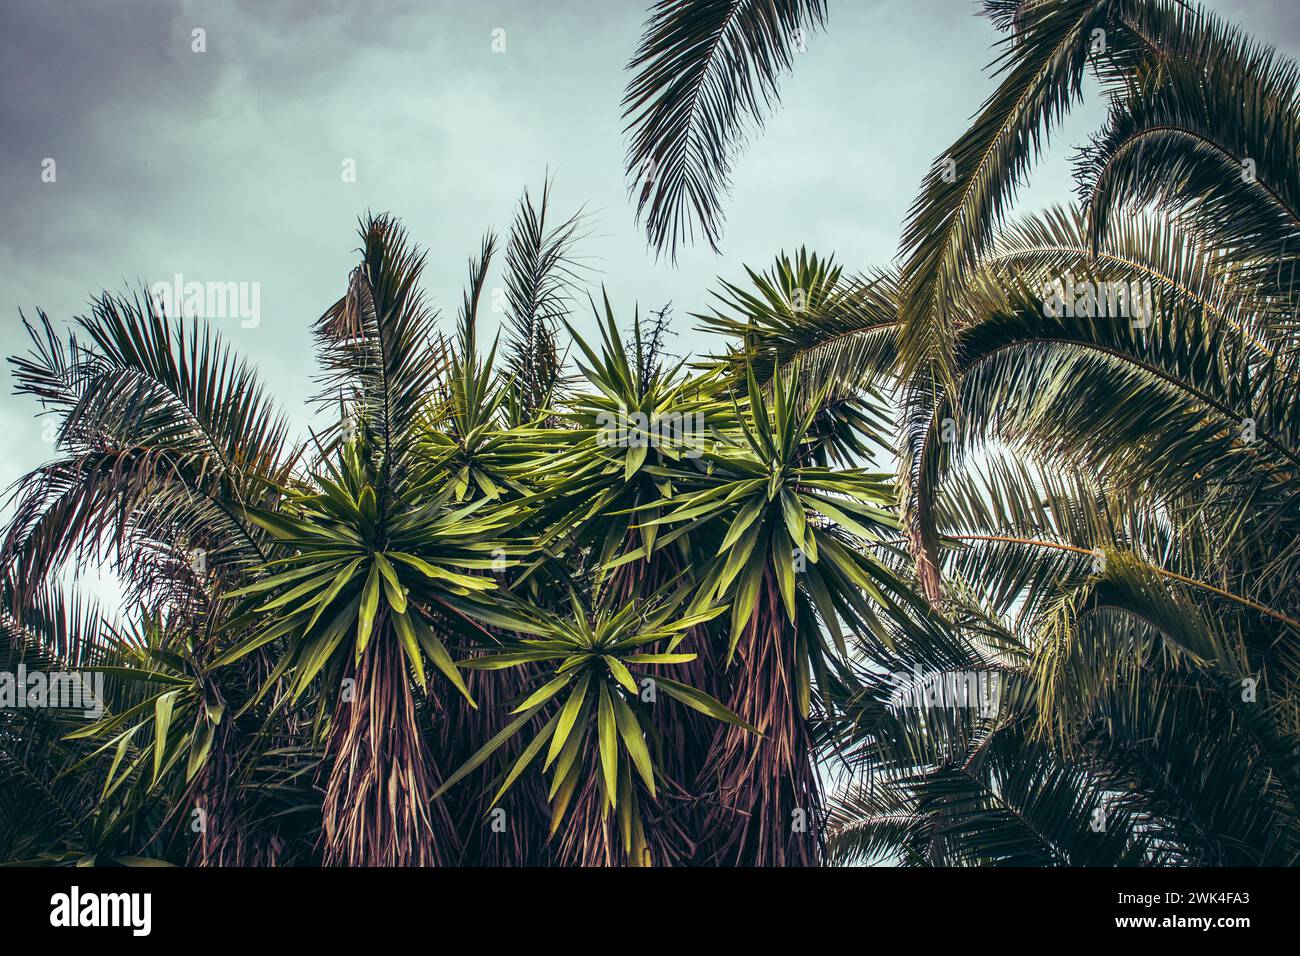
[227, 165]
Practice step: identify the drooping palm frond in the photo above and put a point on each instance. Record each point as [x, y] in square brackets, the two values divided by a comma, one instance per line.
[1004, 14]
[969, 191]
[1138, 249]
[1060, 380]
[706, 69]
[1211, 136]
[945, 773]
[946, 780]
[54, 806]
[1004, 802]
[164, 435]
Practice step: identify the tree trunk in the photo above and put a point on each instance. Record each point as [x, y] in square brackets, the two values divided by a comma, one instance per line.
[377, 809]
[769, 802]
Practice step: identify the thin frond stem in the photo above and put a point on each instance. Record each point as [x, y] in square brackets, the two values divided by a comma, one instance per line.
[1200, 139]
[1135, 265]
[1172, 575]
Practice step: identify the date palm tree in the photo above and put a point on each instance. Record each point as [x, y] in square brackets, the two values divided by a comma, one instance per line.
[1138, 566]
[504, 608]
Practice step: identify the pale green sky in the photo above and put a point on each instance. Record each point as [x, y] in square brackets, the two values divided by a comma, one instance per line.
[225, 166]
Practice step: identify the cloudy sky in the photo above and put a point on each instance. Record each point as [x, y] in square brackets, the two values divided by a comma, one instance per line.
[226, 165]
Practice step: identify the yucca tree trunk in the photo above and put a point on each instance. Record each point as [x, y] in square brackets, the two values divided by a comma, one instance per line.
[681, 820]
[589, 834]
[769, 800]
[378, 809]
[219, 833]
[518, 836]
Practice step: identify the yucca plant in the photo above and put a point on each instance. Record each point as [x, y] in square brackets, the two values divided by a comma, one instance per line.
[1156, 504]
[633, 435]
[601, 740]
[512, 605]
[789, 548]
[361, 599]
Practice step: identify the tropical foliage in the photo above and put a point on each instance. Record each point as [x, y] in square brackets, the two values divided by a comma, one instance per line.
[989, 558]
[1100, 503]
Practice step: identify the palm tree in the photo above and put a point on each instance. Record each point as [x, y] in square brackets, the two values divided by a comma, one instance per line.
[1137, 568]
[304, 609]
[508, 609]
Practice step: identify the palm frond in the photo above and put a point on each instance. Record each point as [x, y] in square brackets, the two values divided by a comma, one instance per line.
[541, 272]
[705, 70]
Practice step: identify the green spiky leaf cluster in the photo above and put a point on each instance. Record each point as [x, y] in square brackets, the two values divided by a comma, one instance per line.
[1002, 544]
